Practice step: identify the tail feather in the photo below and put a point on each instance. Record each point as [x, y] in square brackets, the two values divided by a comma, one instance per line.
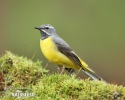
[93, 75]
[90, 72]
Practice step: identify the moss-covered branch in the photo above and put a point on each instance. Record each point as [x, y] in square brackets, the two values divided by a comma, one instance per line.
[19, 74]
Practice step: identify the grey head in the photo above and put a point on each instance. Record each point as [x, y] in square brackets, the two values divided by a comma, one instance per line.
[46, 30]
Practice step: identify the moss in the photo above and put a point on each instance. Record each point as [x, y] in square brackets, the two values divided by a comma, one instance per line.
[23, 75]
[63, 87]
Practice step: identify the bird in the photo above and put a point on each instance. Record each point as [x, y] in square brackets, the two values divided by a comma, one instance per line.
[57, 51]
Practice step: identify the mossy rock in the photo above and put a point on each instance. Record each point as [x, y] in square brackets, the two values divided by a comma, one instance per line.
[19, 74]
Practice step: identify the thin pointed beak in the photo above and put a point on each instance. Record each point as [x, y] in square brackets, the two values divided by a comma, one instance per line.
[37, 28]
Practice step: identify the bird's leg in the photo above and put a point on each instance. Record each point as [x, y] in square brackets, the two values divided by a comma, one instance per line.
[78, 71]
[61, 69]
[70, 70]
[46, 64]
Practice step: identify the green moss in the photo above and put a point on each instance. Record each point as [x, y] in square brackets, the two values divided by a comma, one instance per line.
[19, 73]
[63, 87]
[27, 76]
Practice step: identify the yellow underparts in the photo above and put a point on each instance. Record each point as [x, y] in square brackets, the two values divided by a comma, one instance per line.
[51, 52]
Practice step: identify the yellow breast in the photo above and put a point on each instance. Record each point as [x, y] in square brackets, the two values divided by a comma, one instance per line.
[51, 52]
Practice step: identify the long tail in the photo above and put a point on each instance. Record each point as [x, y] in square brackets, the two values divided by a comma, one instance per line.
[92, 75]
[90, 72]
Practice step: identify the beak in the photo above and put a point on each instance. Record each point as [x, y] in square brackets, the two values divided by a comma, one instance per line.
[37, 28]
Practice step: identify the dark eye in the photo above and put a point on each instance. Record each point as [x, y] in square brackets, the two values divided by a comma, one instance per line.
[46, 27]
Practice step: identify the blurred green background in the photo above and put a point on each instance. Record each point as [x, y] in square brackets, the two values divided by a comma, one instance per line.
[94, 29]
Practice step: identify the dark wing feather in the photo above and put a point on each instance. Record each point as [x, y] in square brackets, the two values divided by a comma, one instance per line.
[65, 49]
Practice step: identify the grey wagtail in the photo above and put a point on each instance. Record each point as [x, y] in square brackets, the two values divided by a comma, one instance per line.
[56, 50]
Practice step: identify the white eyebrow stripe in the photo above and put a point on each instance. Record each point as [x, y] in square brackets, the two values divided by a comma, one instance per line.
[45, 32]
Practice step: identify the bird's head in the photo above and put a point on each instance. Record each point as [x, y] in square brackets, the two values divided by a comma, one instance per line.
[46, 30]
